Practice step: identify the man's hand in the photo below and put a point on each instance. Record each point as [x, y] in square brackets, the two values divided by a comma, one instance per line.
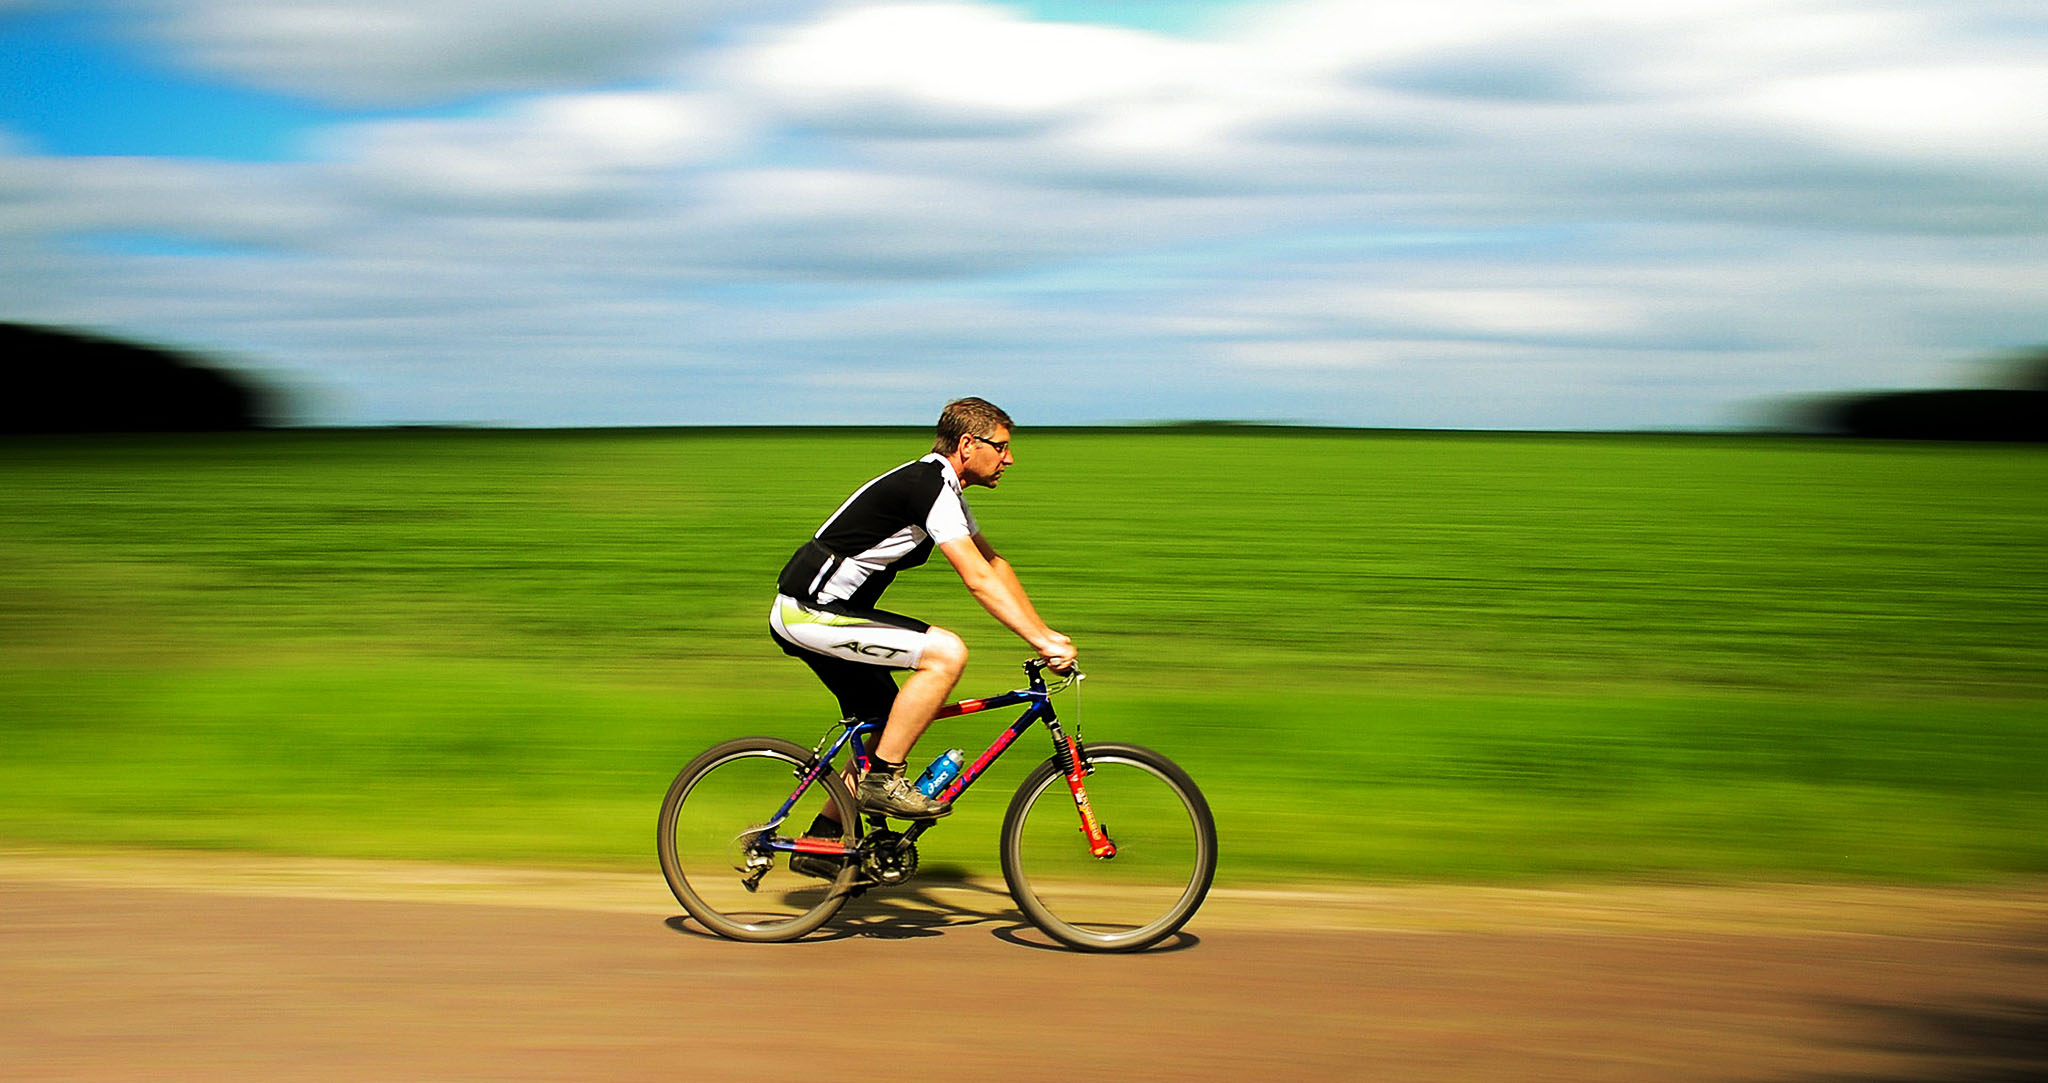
[1058, 652]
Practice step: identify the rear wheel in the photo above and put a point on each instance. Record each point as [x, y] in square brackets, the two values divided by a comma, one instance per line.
[1165, 850]
[714, 841]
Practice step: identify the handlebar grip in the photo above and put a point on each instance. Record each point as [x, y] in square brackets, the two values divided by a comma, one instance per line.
[1039, 665]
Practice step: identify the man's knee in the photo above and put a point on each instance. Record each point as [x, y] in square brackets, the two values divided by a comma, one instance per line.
[943, 650]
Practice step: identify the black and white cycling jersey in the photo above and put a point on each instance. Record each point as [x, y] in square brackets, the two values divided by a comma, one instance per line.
[887, 525]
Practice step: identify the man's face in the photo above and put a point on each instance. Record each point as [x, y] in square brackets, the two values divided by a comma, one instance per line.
[987, 458]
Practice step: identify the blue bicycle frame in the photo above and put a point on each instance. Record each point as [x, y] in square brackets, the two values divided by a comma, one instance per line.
[1067, 751]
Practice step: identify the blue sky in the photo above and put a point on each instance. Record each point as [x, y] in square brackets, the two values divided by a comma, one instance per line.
[72, 88]
[1471, 214]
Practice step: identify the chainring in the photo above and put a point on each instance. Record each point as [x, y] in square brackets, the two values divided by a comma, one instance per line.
[891, 859]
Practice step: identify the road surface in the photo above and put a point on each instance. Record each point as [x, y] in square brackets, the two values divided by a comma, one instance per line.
[129, 966]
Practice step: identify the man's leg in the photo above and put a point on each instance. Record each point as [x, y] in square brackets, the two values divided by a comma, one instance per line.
[862, 690]
[922, 694]
[885, 790]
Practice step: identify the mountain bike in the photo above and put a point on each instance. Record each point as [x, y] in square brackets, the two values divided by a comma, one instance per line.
[1105, 847]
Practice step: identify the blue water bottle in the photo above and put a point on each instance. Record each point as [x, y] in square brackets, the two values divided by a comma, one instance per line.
[941, 772]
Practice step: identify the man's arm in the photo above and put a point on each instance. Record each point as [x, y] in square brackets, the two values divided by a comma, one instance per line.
[1007, 573]
[994, 584]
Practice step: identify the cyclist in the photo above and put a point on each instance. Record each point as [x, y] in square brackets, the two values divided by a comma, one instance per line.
[825, 610]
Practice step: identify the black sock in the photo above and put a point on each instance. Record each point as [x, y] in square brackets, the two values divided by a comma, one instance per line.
[825, 827]
[879, 766]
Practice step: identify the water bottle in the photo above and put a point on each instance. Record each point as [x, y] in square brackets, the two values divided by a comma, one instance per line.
[941, 772]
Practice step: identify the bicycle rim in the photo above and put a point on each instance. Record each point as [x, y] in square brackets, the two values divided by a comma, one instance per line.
[711, 833]
[1166, 851]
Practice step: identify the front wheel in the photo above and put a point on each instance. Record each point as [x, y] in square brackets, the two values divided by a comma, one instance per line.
[717, 827]
[1165, 850]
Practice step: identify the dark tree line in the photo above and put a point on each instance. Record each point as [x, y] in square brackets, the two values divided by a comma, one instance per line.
[2015, 413]
[60, 381]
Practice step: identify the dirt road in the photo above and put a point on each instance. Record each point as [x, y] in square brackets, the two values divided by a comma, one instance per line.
[118, 967]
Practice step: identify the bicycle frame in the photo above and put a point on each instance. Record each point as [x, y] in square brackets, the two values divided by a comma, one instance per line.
[1037, 701]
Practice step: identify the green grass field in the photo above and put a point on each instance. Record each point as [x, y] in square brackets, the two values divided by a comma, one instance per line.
[1384, 656]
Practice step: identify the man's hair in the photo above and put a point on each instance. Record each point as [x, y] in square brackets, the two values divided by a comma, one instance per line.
[967, 417]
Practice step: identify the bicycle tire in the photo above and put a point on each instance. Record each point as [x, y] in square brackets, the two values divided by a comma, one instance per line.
[1166, 851]
[703, 837]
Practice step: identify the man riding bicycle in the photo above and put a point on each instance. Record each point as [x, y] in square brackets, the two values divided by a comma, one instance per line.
[825, 609]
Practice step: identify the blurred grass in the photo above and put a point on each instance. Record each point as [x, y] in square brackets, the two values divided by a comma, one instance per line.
[1445, 656]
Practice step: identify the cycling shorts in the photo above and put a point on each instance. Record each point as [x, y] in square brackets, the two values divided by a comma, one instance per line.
[866, 636]
[854, 651]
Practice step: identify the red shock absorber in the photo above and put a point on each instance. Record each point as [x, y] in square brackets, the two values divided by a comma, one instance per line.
[1099, 843]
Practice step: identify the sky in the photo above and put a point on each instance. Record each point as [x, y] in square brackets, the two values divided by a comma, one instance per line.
[1491, 214]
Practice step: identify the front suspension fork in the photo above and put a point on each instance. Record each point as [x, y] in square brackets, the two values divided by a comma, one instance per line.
[1072, 762]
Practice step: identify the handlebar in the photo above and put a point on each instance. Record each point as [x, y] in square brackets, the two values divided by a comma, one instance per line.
[1035, 669]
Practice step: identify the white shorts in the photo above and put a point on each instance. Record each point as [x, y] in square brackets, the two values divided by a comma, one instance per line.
[869, 637]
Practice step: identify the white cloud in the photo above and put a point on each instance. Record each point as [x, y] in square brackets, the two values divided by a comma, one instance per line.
[1328, 211]
[1961, 112]
[403, 52]
[955, 68]
[562, 148]
[214, 202]
[1522, 312]
[1314, 353]
[1707, 106]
